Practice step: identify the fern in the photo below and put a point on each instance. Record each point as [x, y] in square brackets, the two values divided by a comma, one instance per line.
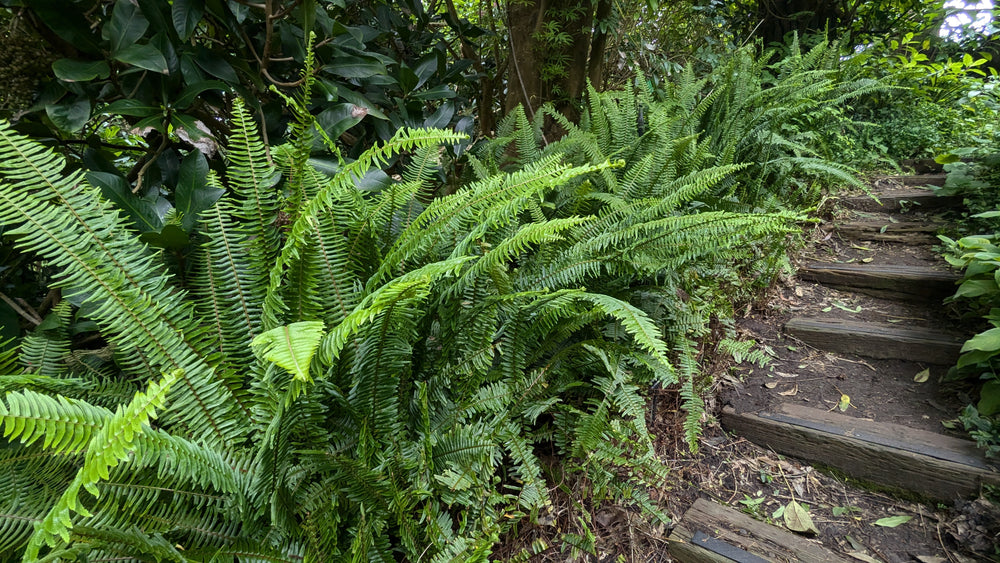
[109, 446]
[373, 375]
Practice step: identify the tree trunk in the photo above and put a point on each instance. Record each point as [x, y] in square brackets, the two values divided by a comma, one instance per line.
[545, 69]
[598, 45]
[780, 17]
[524, 84]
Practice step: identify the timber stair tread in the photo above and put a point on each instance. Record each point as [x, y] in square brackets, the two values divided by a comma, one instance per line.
[899, 457]
[900, 199]
[935, 179]
[883, 354]
[909, 232]
[877, 340]
[892, 281]
[711, 532]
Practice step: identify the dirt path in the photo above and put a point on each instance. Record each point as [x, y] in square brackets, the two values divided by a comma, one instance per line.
[860, 344]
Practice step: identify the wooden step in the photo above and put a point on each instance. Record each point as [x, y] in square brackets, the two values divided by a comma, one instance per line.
[891, 455]
[875, 340]
[922, 165]
[907, 283]
[896, 200]
[711, 532]
[937, 179]
[909, 232]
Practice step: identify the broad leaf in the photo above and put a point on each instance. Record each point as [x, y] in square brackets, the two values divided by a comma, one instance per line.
[171, 236]
[146, 212]
[975, 288]
[127, 25]
[80, 71]
[135, 108]
[339, 118]
[186, 14]
[988, 341]
[69, 116]
[193, 193]
[192, 91]
[989, 398]
[442, 117]
[798, 520]
[893, 521]
[355, 67]
[143, 56]
[215, 65]
[441, 91]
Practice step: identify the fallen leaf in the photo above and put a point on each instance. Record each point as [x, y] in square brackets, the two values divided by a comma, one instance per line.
[893, 521]
[798, 520]
[770, 384]
[930, 559]
[791, 392]
[844, 403]
[826, 309]
[799, 292]
[922, 376]
[843, 307]
[867, 260]
[858, 546]
[863, 557]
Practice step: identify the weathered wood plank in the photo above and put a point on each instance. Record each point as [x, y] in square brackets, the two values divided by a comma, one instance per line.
[897, 199]
[909, 232]
[932, 465]
[909, 283]
[711, 532]
[876, 340]
[922, 165]
[921, 179]
[890, 227]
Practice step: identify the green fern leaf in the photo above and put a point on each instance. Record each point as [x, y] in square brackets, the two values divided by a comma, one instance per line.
[291, 347]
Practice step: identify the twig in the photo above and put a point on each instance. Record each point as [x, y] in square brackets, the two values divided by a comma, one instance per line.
[284, 12]
[250, 4]
[145, 167]
[31, 318]
[102, 144]
[941, 541]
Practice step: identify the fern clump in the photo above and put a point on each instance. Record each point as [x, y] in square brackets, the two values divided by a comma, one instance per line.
[366, 375]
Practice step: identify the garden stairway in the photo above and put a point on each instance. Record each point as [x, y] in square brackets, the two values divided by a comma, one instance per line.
[856, 382]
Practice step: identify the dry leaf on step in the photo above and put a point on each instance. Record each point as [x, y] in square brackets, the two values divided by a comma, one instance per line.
[798, 520]
[791, 392]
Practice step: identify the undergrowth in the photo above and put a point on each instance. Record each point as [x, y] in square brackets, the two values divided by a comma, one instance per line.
[340, 373]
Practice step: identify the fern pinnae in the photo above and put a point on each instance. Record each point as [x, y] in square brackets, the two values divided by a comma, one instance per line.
[228, 289]
[129, 316]
[326, 197]
[108, 447]
[64, 425]
[451, 211]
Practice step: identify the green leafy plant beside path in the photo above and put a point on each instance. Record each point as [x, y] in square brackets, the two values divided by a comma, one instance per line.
[351, 374]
